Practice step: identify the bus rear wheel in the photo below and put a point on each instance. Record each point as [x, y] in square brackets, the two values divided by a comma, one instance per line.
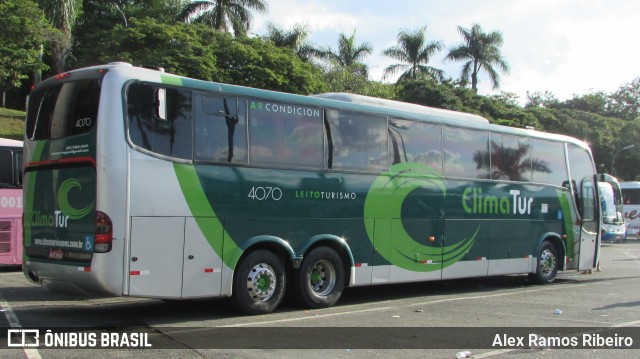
[320, 280]
[547, 263]
[259, 283]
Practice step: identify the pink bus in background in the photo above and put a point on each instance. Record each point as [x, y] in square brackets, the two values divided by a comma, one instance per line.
[10, 202]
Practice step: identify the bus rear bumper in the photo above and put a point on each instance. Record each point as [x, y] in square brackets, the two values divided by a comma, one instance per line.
[74, 280]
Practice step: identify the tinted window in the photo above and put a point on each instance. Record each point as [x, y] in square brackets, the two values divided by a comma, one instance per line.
[287, 135]
[582, 173]
[64, 110]
[160, 120]
[548, 163]
[631, 196]
[510, 158]
[6, 168]
[466, 153]
[580, 163]
[221, 129]
[358, 142]
[416, 142]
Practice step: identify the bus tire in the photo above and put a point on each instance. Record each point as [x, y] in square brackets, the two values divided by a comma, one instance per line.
[546, 263]
[320, 280]
[259, 283]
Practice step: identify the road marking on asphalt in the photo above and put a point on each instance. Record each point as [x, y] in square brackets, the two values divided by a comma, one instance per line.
[14, 323]
[554, 287]
[627, 324]
[253, 324]
[320, 316]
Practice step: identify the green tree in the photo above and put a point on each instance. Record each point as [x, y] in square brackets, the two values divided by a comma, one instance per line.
[481, 51]
[348, 55]
[415, 53]
[201, 52]
[23, 29]
[179, 48]
[428, 92]
[541, 99]
[625, 102]
[62, 15]
[294, 39]
[594, 102]
[223, 15]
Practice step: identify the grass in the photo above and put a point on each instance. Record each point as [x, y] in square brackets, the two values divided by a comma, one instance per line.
[11, 124]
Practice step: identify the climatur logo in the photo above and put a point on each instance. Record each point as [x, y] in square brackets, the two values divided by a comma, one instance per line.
[384, 201]
[474, 202]
[63, 200]
[60, 218]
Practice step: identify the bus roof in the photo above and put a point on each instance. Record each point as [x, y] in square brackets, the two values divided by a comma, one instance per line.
[338, 101]
[6, 142]
[629, 184]
[401, 106]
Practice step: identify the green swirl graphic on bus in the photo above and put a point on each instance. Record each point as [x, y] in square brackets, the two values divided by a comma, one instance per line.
[63, 200]
[384, 201]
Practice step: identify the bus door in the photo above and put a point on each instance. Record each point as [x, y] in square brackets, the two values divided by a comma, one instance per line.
[589, 224]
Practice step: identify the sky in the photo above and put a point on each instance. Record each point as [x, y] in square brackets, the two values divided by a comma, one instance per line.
[566, 47]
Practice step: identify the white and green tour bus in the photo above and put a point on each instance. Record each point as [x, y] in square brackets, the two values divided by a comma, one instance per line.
[142, 183]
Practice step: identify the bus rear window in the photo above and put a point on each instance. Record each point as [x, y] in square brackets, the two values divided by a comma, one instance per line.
[65, 110]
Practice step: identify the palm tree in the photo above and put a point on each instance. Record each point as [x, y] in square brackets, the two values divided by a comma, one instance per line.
[348, 55]
[62, 15]
[415, 55]
[293, 39]
[223, 15]
[482, 52]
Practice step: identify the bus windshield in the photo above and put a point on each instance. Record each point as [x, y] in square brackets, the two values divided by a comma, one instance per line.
[610, 202]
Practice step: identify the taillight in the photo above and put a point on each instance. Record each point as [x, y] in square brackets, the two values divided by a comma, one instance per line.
[104, 233]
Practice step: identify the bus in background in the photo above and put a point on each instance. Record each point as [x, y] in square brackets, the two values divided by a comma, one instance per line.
[613, 226]
[10, 202]
[147, 184]
[631, 204]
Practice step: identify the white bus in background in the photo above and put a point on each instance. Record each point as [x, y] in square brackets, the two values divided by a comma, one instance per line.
[613, 224]
[631, 203]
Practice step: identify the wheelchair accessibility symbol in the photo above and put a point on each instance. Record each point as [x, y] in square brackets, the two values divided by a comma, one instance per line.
[88, 244]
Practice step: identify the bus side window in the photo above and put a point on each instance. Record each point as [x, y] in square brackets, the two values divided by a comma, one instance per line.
[6, 162]
[466, 153]
[510, 158]
[416, 142]
[548, 163]
[169, 136]
[358, 141]
[285, 135]
[220, 129]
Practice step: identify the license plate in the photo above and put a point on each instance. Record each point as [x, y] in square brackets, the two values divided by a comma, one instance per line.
[56, 253]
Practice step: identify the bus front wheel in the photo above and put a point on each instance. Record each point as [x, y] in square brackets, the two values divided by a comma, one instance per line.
[321, 278]
[259, 283]
[547, 263]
